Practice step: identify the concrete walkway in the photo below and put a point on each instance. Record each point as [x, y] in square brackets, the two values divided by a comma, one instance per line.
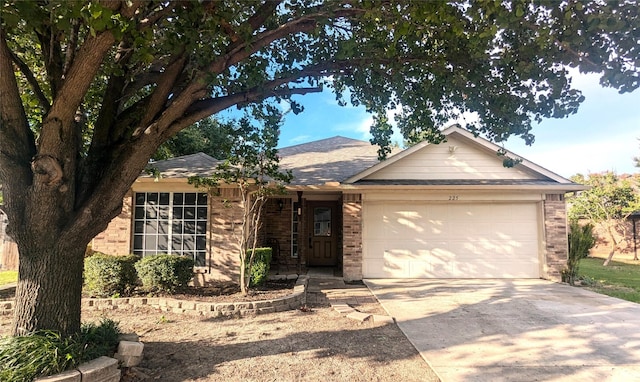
[515, 330]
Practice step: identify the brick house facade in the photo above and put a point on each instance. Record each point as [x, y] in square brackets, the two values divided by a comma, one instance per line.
[344, 209]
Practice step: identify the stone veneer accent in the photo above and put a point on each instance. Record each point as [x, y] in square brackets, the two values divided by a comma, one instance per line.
[116, 239]
[352, 237]
[293, 301]
[555, 236]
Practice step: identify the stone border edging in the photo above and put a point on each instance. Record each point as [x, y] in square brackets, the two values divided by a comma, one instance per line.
[218, 309]
[103, 369]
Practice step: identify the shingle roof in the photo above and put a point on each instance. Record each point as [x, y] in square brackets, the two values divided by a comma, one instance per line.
[327, 160]
[198, 164]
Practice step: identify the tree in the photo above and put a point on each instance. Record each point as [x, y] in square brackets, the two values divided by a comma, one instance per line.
[207, 136]
[90, 90]
[251, 166]
[608, 203]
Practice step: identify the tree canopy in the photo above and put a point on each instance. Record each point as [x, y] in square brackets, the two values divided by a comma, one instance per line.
[207, 136]
[608, 203]
[89, 90]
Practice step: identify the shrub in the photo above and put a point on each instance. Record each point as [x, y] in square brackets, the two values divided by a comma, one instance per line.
[581, 240]
[98, 339]
[165, 272]
[261, 263]
[106, 275]
[45, 352]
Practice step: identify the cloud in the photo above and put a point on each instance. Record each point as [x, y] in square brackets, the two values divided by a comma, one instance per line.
[612, 153]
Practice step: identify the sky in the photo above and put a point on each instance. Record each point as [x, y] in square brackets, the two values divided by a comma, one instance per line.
[604, 135]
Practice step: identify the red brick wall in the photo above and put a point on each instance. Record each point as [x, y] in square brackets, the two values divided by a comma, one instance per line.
[277, 225]
[555, 236]
[225, 222]
[352, 237]
[116, 239]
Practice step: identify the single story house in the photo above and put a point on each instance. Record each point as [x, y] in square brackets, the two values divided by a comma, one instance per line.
[450, 210]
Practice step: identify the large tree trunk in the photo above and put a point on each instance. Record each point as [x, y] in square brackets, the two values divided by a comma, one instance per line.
[49, 288]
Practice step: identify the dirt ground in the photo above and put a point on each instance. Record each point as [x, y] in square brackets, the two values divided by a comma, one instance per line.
[310, 344]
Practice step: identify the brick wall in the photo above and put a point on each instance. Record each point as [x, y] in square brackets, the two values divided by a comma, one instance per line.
[556, 245]
[116, 239]
[352, 237]
[225, 223]
[277, 225]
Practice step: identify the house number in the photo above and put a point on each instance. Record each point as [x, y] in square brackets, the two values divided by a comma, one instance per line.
[453, 197]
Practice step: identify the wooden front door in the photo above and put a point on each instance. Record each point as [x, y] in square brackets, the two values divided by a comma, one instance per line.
[323, 234]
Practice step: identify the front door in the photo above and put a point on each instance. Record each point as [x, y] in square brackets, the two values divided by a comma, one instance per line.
[322, 233]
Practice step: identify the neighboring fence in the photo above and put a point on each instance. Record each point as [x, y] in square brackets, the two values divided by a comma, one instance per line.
[8, 248]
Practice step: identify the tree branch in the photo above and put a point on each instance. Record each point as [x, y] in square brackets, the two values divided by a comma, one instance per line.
[208, 107]
[72, 44]
[81, 73]
[52, 53]
[263, 13]
[165, 84]
[31, 79]
[17, 143]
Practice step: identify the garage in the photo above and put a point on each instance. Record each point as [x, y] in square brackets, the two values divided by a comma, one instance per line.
[456, 239]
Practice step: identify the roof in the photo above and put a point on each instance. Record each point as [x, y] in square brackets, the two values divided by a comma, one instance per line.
[327, 160]
[352, 163]
[198, 164]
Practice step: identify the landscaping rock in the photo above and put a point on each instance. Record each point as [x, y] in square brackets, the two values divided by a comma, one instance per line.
[67, 376]
[103, 369]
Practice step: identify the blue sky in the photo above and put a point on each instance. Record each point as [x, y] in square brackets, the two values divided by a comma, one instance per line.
[603, 135]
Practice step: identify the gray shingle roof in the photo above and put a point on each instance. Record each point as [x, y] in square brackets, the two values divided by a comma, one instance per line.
[328, 160]
[198, 164]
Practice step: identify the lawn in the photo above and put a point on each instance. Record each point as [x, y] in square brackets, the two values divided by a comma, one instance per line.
[618, 279]
[8, 277]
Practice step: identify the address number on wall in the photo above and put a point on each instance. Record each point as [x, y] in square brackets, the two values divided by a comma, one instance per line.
[454, 197]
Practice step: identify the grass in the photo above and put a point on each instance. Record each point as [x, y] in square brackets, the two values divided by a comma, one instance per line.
[8, 277]
[618, 279]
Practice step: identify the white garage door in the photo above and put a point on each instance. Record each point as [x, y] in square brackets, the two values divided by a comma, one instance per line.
[430, 240]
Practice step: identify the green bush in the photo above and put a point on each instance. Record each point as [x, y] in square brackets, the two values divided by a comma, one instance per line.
[165, 272]
[98, 339]
[260, 269]
[106, 275]
[581, 240]
[45, 352]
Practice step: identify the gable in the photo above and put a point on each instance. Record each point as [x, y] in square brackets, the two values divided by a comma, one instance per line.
[454, 159]
[461, 159]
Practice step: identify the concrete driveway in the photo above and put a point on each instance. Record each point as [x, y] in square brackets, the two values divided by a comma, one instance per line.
[515, 330]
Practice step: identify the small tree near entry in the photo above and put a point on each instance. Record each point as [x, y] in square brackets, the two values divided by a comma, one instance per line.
[252, 166]
[608, 203]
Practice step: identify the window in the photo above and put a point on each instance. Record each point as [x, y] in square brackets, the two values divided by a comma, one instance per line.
[171, 222]
[322, 221]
